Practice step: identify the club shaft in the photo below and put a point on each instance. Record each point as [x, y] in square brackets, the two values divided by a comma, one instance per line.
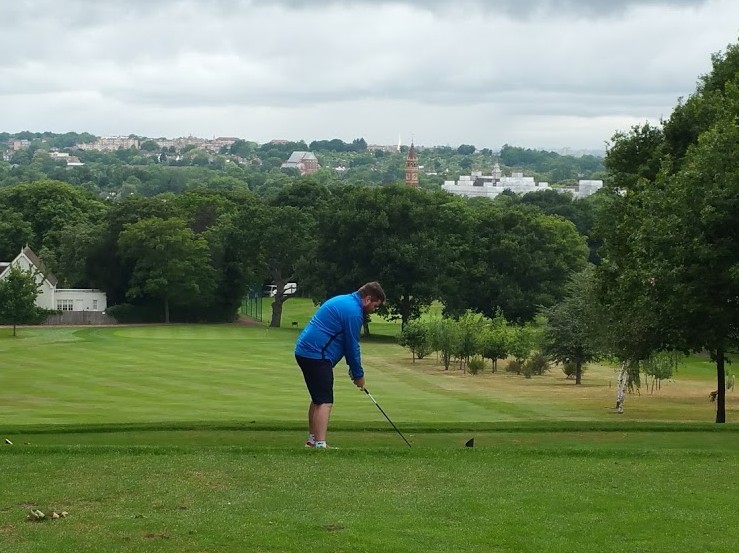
[366, 391]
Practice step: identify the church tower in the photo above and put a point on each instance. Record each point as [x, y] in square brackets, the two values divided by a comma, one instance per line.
[411, 167]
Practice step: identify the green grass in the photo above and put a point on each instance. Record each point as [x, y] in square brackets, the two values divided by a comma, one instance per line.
[189, 439]
[528, 493]
[243, 373]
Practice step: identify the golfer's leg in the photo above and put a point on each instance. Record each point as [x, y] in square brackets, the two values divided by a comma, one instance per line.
[321, 414]
[311, 418]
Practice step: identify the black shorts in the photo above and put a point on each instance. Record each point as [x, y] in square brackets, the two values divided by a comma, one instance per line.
[319, 378]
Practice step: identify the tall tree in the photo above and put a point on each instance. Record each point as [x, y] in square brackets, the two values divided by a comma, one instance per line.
[389, 234]
[703, 250]
[277, 241]
[18, 292]
[170, 263]
[49, 206]
[568, 333]
[670, 239]
[106, 268]
[15, 232]
[518, 259]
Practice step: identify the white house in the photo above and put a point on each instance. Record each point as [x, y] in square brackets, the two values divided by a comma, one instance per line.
[51, 297]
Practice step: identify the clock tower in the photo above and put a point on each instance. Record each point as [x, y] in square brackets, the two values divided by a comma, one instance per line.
[411, 167]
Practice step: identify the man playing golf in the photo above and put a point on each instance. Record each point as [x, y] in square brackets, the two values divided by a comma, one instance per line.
[333, 333]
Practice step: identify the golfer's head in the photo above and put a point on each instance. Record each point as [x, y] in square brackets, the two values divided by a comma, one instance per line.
[373, 296]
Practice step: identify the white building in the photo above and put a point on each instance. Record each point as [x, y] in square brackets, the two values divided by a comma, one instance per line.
[489, 186]
[49, 296]
[111, 144]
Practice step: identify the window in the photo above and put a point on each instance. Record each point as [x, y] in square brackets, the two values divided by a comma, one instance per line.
[94, 305]
[65, 305]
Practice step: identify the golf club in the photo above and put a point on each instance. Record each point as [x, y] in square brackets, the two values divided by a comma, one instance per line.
[366, 391]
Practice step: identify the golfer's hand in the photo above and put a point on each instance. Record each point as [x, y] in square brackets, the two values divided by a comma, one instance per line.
[359, 383]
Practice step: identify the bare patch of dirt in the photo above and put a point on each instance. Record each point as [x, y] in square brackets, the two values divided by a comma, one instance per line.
[246, 321]
[333, 527]
[156, 536]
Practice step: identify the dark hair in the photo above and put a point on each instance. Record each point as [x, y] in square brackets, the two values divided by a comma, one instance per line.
[373, 290]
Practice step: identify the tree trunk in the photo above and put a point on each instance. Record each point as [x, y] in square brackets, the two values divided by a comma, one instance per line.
[578, 373]
[276, 311]
[621, 382]
[166, 310]
[721, 386]
[14, 334]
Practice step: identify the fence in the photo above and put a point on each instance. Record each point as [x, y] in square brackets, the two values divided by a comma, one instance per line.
[80, 318]
[251, 305]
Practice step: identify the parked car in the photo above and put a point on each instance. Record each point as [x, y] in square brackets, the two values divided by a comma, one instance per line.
[290, 289]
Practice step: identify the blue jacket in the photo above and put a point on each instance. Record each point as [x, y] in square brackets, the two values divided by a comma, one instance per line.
[333, 333]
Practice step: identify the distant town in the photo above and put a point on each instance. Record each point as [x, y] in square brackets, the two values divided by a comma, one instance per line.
[464, 170]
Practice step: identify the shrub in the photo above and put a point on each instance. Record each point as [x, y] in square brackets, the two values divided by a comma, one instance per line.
[515, 366]
[415, 337]
[570, 369]
[130, 314]
[476, 365]
[537, 364]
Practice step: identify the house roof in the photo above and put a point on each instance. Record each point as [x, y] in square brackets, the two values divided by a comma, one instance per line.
[33, 258]
[297, 157]
[28, 252]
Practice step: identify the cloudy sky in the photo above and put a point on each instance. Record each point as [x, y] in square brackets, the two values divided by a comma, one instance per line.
[531, 73]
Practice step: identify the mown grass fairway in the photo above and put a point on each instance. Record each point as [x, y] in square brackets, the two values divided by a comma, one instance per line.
[189, 439]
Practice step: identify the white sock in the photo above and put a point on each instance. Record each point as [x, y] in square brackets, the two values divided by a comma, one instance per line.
[311, 438]
[321, 443]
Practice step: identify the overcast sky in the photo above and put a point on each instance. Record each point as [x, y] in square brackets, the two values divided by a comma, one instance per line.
[531, 73]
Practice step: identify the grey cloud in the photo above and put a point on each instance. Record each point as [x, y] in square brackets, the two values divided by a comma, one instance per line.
[171, 60]
[82, 13]
[513, 8]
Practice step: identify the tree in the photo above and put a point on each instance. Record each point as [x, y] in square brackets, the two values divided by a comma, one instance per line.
[629, 327]
[278, 240]
[107, 269]
[703, 249]
[415, 337]
[18, 292]
[512, 258]
[671, 244]
[493, 340]
[469, 327]
[568, 334]
[390, 234]
[15, 232]
[634, 155]
[149, 146]
[444, 334]
[170, 262]
[49, 206]
[521, 343]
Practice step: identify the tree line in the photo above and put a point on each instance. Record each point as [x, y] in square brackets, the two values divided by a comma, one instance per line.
[194, 256]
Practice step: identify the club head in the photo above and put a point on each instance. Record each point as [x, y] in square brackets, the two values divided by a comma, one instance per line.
[470, 442]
